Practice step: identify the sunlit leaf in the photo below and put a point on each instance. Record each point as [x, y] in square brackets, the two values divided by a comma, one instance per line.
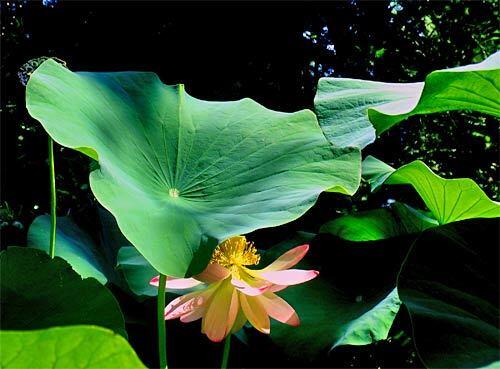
[66, 347]
[342, 104]
[40, 292]
[352, 111]
[449, 200]
[378, 224]
[375, 171]
[179, 173]
[374, 325]
[493, 365]
[449, 283]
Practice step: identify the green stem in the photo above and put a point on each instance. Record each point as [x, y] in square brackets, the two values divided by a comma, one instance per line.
[225, 356]
[53, 204]
[162, 335]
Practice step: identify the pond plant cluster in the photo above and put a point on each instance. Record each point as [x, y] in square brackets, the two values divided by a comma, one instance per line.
[181, 185]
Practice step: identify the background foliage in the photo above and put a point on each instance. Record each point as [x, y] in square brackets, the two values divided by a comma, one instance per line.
[272, 54]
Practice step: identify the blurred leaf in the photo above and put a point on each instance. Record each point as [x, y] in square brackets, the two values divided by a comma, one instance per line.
[66, 347]
[380, 53]
[297, 239]
[72, 244]
[112, 239]
[430, 27]
[449, 283]
[40, 292]
[352, 302]
[179, 173]
[352, 111]
[137, 271]
[449, 200]
[378, 224]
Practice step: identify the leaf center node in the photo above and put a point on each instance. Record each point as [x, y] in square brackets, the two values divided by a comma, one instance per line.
[173, 192]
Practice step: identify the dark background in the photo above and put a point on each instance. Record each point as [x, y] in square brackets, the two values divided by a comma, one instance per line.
[273, 52]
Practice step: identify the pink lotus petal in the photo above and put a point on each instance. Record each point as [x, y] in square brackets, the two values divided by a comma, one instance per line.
[276, 288]
[249, 290]
[181, 305]
[185, 304]
[195, 314]
[221, 313]
[155, 281]
[176, 283]
[213, 273]
[289, 277]
[255, 313]
[182, 283]
[279, 309]
[288, 259]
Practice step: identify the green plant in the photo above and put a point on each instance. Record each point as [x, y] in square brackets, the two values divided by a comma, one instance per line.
[181, 175]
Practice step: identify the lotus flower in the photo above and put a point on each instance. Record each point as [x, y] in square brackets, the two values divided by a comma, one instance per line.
[234, 293]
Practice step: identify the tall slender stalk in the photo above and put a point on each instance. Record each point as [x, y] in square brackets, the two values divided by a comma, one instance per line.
[225, 355]
[162, 335]
[53, 199]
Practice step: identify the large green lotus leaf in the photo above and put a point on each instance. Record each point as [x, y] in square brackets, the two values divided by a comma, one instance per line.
[180, 174]
[378, 224]
[472, 87]
[352, 302]
[352, 111]
[449, 200]
[40, 292]
[66, 347]
[449, 283]
[342, 104]
[72, 244]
